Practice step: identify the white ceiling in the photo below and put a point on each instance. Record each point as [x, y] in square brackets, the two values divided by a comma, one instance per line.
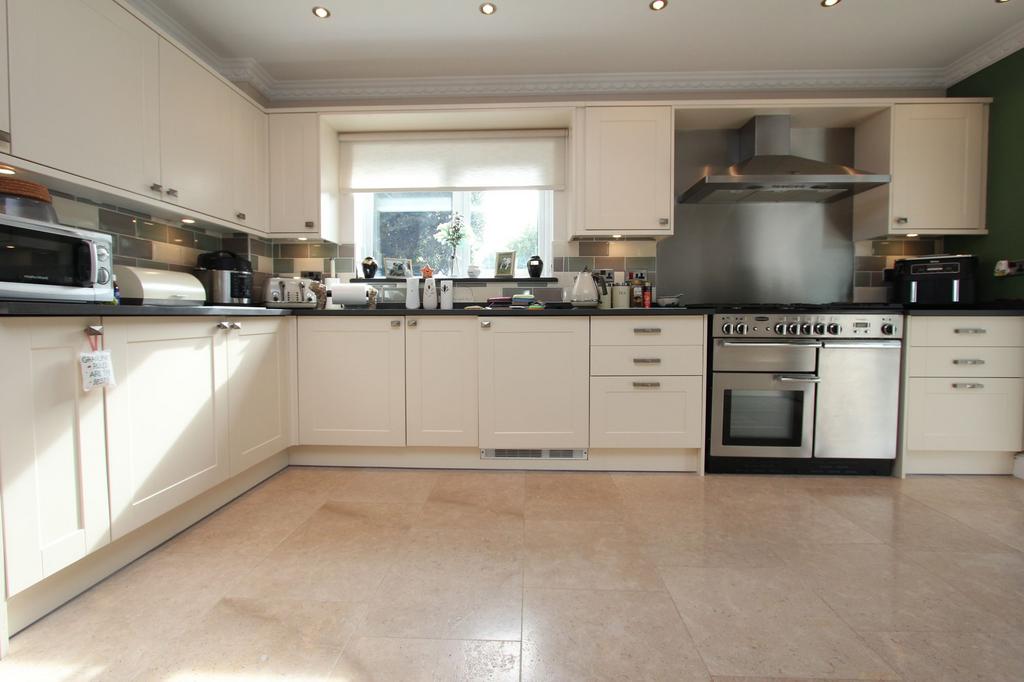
[280, 43]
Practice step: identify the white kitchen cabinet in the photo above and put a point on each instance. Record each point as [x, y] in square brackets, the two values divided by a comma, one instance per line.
[250, 150]
[352, 380]
[965, 414]
[53, 468]
[85, 91]
[937, 154]
[304, 190]
[441, 381]
[195, 135]
[5, 93]
[534, 382]
[646, 411]
[167, 418]
[627, 168]
[261, 386]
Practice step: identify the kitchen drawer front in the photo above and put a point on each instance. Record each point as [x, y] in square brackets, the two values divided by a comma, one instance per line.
[646, 412]
[965, 362]
[616, 361]
[647, 331]
[967, 331]
[968, 415]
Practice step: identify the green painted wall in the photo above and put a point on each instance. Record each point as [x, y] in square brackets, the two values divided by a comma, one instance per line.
[1004, 81]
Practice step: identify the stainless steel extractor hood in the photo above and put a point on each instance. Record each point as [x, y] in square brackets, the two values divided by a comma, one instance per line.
[768, 173]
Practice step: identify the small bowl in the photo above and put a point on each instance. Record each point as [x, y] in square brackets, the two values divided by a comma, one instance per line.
[667, 301]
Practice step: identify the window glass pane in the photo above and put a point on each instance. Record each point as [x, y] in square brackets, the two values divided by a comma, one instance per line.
[772, 418]
[504, 220]
[405, 223]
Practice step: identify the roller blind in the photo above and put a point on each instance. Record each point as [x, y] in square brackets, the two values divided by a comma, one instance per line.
[477, 160]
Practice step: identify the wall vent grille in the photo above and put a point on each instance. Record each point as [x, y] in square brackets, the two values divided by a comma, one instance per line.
[531, 453]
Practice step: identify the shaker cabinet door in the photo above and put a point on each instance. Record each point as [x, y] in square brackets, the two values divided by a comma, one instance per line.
[441, 381]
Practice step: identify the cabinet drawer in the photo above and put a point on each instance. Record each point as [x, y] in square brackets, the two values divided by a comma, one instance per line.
[967, 331]
[965, 362]
[969, 415]
[646, 412]
[647, 331]
[646, 360]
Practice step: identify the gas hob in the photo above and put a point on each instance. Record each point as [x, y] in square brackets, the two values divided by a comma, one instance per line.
[808, 322]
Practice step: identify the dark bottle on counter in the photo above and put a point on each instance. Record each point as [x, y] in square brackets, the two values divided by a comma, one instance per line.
[647, 295]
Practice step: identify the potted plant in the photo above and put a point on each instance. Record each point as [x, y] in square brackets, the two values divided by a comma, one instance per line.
[453, 233]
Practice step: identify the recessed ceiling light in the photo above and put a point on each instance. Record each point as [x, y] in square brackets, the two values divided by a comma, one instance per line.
[188, 221]
[658, 4]
[1002, 2]
[4, 170]
[302, 239]
[830, 3]
[488, 8]
[616, 236]
[321, 12]
[912, 234]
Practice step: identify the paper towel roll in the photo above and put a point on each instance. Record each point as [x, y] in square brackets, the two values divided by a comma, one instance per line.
[348, 294]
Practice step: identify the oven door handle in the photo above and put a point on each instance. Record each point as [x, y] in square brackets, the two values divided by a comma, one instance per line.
[770, 344]
[863, 344]
[797, 379]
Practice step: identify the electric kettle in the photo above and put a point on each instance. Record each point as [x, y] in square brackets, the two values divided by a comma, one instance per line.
[585, 293]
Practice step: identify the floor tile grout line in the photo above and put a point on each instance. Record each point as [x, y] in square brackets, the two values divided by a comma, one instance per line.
[686, 627]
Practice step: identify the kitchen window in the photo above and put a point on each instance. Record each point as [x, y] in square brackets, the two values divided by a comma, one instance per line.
[404, 186]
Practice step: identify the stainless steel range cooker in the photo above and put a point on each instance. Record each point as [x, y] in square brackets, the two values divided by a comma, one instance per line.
[804, 384]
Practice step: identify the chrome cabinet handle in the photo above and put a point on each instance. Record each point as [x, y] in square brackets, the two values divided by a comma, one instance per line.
[968, 362]
[797, 379]
[902, 221]
[486, 324]
[396, 323]
[970, 330]
[411, 323]
[646, 384]
[646, 330]
[223, 325]
[171, 192]
[236, 325]
[310, 224]
[646, 361]
[968, 385]
[157, 187]
[240, 215]
[663, 221]
[94, 330]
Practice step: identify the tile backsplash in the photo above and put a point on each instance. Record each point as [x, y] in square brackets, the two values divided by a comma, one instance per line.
[873, 258]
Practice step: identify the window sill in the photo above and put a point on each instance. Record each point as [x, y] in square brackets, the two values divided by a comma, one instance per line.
[462, 280]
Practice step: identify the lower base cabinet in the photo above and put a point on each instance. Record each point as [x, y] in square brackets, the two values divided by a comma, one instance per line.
[534, 374]
[167, 418]
[646, 412]
[352, 380]
[53, 468]
[965, 414]
[441, 381]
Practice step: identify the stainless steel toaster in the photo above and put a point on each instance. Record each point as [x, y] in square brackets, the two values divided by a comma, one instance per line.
[289, 292]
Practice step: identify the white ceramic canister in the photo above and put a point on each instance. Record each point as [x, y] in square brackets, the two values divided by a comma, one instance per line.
[621, 295]
[412, 293]
[447, 294]
[429, 293]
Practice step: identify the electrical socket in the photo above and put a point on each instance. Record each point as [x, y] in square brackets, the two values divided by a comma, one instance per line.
[1009, 268]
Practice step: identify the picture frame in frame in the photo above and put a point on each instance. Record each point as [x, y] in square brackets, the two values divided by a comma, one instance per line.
[505, 264]
[397, 268]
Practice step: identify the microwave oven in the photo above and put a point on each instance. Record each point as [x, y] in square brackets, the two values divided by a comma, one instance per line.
[41, 261]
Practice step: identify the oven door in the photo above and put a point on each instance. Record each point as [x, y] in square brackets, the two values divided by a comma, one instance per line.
[763, 415]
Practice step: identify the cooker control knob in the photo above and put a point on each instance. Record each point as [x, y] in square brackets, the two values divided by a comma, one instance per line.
[819, 329]
[805, 329]
[741, 328]
[102, 276]
[793, 329]
[727, 328]
[888, 329]
[834, 329]
[780, 328]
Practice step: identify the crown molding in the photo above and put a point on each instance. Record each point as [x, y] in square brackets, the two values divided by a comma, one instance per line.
[248, 70]
[1003, 45]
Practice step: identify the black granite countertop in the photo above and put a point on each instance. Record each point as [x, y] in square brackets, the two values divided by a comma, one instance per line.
[35, 309]
[518, 312]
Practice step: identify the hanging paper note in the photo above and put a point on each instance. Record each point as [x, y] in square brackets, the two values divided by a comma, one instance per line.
[97, 369]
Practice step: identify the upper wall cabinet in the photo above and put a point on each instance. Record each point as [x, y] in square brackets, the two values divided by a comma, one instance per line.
[250, 149]
[303, 177]
[5, 101]
[85, 91]
[626, 168]
[195, 135]
[938, 156]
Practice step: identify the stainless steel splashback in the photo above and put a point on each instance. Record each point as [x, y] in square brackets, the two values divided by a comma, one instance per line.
[758, 253]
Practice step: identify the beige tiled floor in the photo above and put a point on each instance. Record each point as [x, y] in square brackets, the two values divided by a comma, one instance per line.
[347, 574]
